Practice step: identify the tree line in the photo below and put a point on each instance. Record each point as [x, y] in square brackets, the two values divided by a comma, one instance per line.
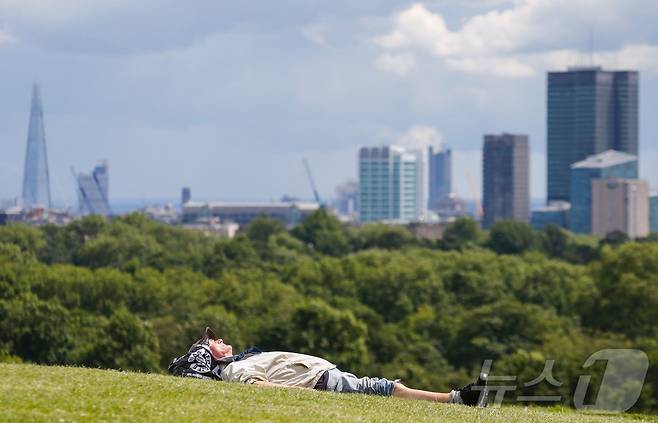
[129, 293]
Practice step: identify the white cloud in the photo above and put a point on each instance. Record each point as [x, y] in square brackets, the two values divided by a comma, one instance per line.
[527, 37]
[420, 137]
[400, 64]
[316, 33]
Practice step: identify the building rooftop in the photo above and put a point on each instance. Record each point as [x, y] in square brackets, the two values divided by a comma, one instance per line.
[277, 205]
[606, 159]
[584, 68]
[554, 206]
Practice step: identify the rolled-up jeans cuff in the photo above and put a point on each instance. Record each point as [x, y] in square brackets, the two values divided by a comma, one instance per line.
[339, 381]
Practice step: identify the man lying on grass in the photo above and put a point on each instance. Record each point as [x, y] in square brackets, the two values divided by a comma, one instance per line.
[211, 358]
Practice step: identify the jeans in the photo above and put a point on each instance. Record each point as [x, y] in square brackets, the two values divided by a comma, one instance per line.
[339, 381]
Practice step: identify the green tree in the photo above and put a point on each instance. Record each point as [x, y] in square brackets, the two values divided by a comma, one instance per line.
[614, 239]
[35, 330]
[124, 342]
[627, 279]
[324, 233]
[227, 254]
[554, 241]
[459, 234]
[262, 228]
[28, 239]
[511, 237]
[379, 235]
[338, 336]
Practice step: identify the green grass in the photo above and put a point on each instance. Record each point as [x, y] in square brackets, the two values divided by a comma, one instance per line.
[38, 393]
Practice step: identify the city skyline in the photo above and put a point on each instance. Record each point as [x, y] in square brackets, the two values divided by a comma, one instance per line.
[234, 89]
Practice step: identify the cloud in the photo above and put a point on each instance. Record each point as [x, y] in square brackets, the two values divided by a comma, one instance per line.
[525, 38]
[400, 64]
[316, 33]
[420, 137]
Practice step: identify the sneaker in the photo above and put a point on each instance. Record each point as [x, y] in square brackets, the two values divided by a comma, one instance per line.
[474, 394]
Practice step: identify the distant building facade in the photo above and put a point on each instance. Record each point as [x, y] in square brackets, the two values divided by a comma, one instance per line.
[440, 178]
[391, 184]
[609, 164]
[506, 173]
[589, 111]
[620, 205]
[36, 177]
[653, 212]
[347, 198]
[93, 191]
[290, 214]
[556, 213]
[186, 195]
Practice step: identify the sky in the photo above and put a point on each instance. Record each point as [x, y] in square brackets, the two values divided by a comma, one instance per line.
[228, 98]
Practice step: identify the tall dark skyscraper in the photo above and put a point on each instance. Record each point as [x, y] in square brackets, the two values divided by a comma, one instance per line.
[36, 179]
[589, 111]
[440, 177]
[506, 174]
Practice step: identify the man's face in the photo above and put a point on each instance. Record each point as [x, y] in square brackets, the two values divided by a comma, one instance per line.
[219, 349]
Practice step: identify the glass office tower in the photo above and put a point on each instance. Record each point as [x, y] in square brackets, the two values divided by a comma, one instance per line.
[589, 111]
[506, 175]
[36, 178]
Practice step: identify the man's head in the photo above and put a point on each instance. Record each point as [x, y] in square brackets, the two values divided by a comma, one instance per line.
[217, 346]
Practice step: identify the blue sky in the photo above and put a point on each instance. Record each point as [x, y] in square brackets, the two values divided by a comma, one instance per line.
[229, 97]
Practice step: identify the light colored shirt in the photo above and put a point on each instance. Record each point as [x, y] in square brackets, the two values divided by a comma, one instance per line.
[282, 368]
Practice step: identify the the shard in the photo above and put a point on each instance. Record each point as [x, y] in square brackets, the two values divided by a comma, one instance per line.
[36, 179]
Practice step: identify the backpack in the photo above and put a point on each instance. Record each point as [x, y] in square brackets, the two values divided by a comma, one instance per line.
[198, 362]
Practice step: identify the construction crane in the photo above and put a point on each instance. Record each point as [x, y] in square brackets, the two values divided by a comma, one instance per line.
[310, 178]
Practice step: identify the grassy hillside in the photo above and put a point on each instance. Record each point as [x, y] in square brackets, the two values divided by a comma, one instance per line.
[36, 393]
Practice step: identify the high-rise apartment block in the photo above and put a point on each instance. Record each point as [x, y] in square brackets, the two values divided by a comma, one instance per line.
[36, 178]
[93, 191]
[620, 205]
[440, 177]
[390, 184]
[589, 111]
[609, 164]
[506, 174]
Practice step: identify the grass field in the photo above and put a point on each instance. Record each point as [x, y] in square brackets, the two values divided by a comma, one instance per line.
[37, 393]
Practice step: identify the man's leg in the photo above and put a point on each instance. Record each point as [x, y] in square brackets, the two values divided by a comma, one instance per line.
[473, 394]
[401, 391]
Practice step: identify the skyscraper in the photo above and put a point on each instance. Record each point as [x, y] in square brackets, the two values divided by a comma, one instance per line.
[506, 173]
[440, 177]
[390, 184]
[589, 111]
[609, 164]
[93, 191]
[36, 179]
[186, 195]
